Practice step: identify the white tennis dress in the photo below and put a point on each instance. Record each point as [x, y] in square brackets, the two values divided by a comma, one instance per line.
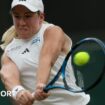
[25, 54]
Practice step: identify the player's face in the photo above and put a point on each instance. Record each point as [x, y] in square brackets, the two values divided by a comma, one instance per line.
[27, 23]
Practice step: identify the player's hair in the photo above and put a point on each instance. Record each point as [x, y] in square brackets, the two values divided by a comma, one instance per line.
[8, 37]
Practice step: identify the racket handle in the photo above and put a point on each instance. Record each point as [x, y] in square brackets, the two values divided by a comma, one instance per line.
[45, 90]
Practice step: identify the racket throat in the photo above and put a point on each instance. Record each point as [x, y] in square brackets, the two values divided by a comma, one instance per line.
[65, 84]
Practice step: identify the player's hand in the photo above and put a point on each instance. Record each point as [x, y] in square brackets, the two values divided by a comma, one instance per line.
[39, 93]
[24, 97]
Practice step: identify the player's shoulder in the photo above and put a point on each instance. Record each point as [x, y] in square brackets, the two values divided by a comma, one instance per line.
[55, 28]
[11, 45]
[54, 31]
[57, 32]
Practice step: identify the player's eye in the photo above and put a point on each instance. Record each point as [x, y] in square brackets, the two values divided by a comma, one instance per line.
[17, 16]
[28, 15]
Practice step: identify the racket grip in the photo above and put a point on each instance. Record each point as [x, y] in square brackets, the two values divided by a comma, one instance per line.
[45, 90]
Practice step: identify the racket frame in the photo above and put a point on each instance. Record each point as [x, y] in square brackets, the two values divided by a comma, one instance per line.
[61, 71]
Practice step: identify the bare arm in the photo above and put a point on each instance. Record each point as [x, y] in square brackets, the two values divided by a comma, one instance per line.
[52, 47]
[9, 73]
[11, 78]
[54, 40]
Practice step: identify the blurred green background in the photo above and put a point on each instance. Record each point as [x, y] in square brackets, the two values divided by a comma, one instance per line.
[78, 18]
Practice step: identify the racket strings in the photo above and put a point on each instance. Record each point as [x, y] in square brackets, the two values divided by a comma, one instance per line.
[85, 77]
[89, 75]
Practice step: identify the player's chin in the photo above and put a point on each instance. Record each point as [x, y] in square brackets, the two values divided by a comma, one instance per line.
[24, 35]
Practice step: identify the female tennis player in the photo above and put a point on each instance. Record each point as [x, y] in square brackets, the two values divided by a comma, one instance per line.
[34, 52]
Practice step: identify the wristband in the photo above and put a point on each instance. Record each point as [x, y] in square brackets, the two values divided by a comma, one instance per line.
[16, 90]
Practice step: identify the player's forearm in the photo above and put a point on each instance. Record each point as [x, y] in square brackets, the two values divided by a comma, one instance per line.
[43, 74]
[43, 71]
[10, 81]
[10, 75]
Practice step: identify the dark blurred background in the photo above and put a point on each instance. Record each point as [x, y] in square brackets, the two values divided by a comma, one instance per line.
[78, 18]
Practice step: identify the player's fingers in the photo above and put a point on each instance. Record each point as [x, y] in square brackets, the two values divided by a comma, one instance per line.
[30, 97]
[24, 101]
[41, 95]
[24, 97]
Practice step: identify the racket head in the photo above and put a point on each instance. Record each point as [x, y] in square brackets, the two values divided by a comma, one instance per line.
[89, 75]
[82, 78]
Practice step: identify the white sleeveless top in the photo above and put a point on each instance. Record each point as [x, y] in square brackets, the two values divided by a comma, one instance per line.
[25, 54]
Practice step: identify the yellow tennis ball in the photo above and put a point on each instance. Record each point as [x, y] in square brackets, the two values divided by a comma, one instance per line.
[81, 58]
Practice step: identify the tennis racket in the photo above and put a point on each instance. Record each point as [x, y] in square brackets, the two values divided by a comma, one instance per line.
[86, 76]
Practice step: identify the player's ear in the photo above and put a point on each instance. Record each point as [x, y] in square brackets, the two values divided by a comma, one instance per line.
[42, 16]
